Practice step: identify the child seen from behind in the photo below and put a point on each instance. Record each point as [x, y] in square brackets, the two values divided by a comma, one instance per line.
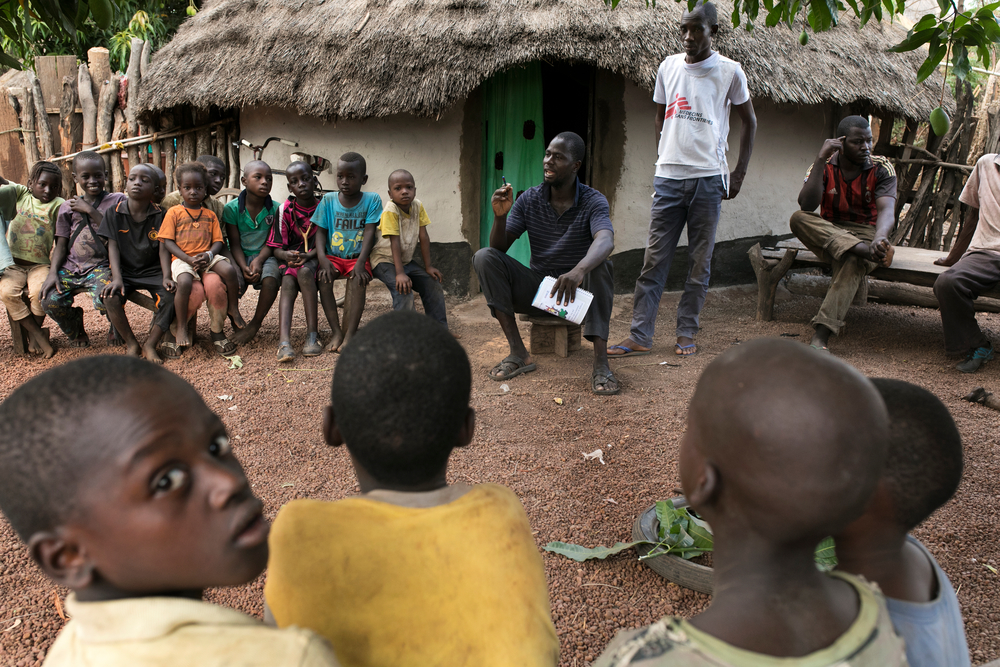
[922, 471]
[31, 212]
[404, 224]
[796, 459]
[346, 224]
[464, 583]
[137, 511]
[293, 242]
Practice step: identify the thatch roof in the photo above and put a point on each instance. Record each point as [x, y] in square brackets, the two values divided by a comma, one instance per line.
[372, 58]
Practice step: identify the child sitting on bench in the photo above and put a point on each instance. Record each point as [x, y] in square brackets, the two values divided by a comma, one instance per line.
[415, 571]
[795, 459]
[125, 489]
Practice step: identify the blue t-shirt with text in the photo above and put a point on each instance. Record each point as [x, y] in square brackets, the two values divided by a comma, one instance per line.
[345, 227]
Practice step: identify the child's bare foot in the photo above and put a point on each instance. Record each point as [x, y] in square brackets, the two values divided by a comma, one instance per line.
[236, 319]
[149, 353]
[133, 349]
[336, 342]
[246, 334]
[45, 347]
[183, 338]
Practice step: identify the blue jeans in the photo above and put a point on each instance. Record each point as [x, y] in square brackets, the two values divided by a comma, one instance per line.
[695, 202]
[430, 291]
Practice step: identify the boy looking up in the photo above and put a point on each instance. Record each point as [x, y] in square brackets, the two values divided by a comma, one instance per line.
[31, 212]
[293, 241]
[80, 260]
[404, 224]
[921, 473]
[137, 511]
[248, 221]
[470, 586]
[795, 460]
[130, 229]
[190, 236]
[346, 224]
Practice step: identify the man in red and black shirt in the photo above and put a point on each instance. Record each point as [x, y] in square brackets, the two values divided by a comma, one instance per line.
[856, 195]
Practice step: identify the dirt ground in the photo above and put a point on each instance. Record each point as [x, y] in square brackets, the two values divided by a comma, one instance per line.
[533, 445]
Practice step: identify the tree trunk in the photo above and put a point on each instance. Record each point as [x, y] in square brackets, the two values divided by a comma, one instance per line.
[882, 291]
[85, 90]
[66, 110]
[106, 114]
[203, 139]
[99, 64]
[26, 102]
[170, 160]
[117, 168]
[134, 75]
[143, 67]
[42, 128]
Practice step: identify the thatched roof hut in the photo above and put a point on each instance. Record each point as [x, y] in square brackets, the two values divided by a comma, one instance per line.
[354, 59]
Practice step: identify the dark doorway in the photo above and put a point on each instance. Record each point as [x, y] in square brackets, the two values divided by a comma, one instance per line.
[568, 103]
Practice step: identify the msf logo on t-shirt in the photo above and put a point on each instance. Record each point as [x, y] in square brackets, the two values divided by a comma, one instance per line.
[681, 110]
[679, 104]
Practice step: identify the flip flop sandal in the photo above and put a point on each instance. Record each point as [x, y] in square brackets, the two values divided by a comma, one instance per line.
[679, 350]
[510, 367]
[821, 348]
[285, 353]
[312, 348]
[171, 350]
[602, 378]
[628, 352]
[223, 345]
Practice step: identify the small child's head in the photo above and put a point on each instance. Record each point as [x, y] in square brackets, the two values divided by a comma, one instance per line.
[123, 483]
[400, 402]
[257, 178]
[143, 183]
[217, 173]
[161, 184]
[782, 442]
[192, 180]
[352, 174]
[89, 173]
[923, 466]
[301, 181]
[402, 188]
[44, 181]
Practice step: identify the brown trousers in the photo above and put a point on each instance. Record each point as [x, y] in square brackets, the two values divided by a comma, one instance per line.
[831, 241]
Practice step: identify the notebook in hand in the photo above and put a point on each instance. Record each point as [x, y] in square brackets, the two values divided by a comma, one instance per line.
[574, 311]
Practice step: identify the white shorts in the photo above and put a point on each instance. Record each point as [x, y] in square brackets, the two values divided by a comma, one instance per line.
[179, 266]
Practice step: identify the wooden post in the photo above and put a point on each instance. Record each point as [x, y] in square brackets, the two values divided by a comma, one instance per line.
[234, 149]
[42, 128]
[203, 139]
[26, 102]
[221, 152]
[85, 90]
[143, 67]
[134, 75]
[66, 110]
[769, 272]
[106, 114]
[99, 64]
[117, 168]
[170, 160]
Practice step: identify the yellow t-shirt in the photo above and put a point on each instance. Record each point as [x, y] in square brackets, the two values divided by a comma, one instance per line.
[167, 632]
[456, 584]
[396, 222]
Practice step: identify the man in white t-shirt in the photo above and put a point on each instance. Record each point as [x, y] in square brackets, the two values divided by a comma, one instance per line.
[975, 267]
[693, 95]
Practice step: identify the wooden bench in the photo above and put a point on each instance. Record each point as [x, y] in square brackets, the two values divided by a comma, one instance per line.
[551, 334]
[912, 266]
[20, 337]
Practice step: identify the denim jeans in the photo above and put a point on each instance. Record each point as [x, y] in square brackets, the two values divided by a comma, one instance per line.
[695, 202]
[430, 291]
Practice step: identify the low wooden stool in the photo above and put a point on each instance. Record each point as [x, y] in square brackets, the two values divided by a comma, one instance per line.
[551, 334]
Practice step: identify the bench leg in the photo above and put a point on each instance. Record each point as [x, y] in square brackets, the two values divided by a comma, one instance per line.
[768, 272]
[542, 339]
[19, 336]
[561, 341]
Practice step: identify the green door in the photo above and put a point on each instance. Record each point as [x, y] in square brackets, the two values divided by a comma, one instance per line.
[513, 143]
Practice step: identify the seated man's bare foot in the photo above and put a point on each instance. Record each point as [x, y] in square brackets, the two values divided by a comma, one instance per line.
[627, 348]
[887, 258]
[685, 346]
[149, 354]
[246, 334]
[133, 349]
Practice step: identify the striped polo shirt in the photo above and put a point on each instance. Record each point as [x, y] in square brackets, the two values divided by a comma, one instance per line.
[855, 200]
[559, 242]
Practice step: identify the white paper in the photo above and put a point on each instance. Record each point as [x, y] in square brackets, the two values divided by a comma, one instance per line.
[574, 312]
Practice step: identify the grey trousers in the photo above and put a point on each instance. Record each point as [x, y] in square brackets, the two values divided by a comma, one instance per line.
[695, 203]
[977, 272]
[510, 287]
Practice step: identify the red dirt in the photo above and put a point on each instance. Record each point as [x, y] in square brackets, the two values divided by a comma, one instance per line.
[531, 444]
